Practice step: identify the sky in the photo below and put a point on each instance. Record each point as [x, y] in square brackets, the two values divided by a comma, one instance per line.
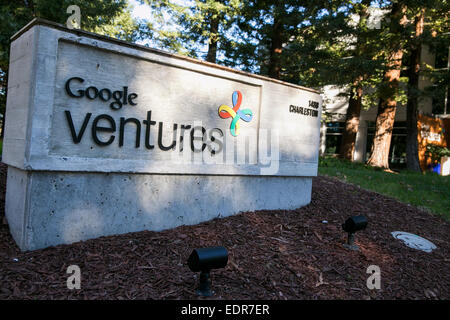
[143, 11]
[140, 11]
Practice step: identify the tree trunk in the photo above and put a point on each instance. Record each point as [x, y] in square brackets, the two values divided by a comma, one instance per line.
[354, 105]
[387, 105]
[351, 123]
[212, 47]
[383, 134]
[412, 154]
[275, 49]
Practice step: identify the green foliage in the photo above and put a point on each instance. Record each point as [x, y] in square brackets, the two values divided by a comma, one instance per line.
[323, 42]
[439, 75]
[124, 27]
[187, 28]
[436, 152]
[259, 24]
[428, 191]
[335, 47]
[111, 18]
[437, 39]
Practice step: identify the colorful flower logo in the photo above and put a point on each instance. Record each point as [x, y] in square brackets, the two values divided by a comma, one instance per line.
[235, 113]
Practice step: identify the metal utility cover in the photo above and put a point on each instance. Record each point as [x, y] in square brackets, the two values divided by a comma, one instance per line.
[414, 241]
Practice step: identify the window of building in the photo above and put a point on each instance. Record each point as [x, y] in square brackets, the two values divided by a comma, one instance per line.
[441, 99]
[397, 152]
[441, 58]
[334, 137]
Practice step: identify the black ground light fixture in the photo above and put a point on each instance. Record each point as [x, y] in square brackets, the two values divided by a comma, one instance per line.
[204, 260]
[351, 225]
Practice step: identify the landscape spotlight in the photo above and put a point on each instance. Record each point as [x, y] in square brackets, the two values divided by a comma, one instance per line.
[204, 260]
[352, 225]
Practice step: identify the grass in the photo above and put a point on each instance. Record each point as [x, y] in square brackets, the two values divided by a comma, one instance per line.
[428, 191]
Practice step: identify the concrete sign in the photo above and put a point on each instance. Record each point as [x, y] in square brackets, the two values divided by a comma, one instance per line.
[104, 137]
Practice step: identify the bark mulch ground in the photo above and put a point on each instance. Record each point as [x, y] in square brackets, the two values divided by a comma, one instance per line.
[273, 255]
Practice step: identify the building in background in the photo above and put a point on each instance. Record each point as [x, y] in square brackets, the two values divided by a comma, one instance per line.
[335, 105]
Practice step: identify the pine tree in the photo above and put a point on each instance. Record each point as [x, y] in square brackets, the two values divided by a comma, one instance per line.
[356, 89]
[194, 25]
[263, 32]
[112, 18]
[430, 25]
[412, 148]
[384, 124]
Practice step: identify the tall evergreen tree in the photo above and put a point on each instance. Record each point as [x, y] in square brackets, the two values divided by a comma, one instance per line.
[394, 40]
[263, 31]
[112, 18]
[194, 25]
[336, 45]
[429, 26]
[363, 70]
[412, 148]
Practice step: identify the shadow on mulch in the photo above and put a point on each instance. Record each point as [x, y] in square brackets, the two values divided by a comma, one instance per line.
[273, 255]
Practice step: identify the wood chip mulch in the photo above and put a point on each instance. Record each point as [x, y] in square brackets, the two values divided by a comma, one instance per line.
[273, 255]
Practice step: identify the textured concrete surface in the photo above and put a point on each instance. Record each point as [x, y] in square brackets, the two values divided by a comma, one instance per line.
[61, 190]
[66, 207]
[37, 134]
